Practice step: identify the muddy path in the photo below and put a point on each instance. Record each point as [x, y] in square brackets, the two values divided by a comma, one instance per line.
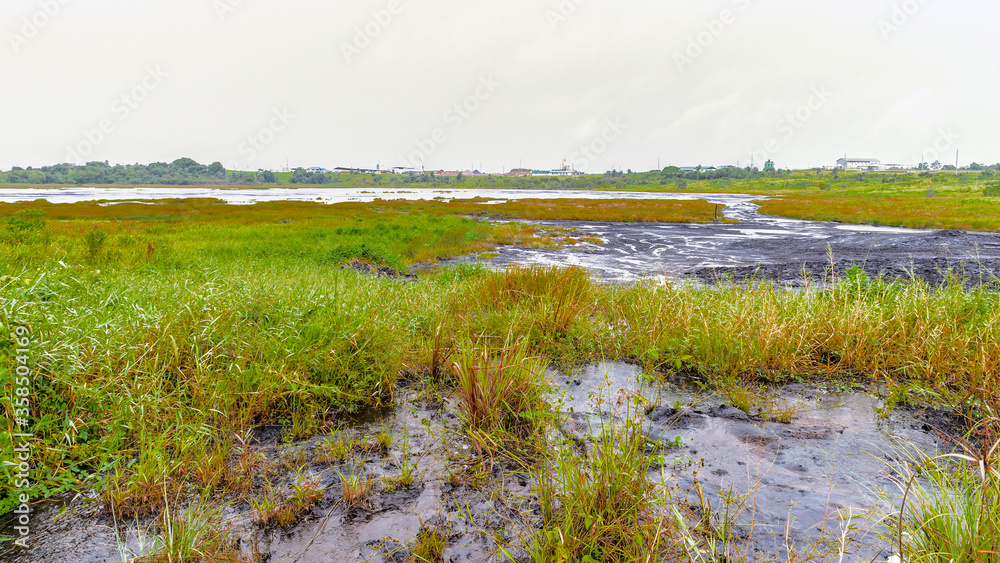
[765, 248]
[830, 469]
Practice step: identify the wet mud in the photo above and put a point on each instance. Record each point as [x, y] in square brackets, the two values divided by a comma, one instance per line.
[765, 248]
[832, 466]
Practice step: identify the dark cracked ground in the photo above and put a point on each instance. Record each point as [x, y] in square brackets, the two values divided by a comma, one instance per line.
[764, 247]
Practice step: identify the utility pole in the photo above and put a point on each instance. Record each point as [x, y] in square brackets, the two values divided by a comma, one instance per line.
[956, 162]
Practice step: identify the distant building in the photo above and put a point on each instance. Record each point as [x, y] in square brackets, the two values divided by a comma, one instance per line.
[404, 170]
[317, 170]
[886, 166]
[865, 164]
[345, 170]
[566, 170]
[555, 173]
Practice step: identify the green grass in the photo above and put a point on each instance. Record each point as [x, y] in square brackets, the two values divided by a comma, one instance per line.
[143, 365]
[157, 350]
[500, 396]
[599, 505]
[937, 200]
[429, 546]
[967, 211]
[951, 508]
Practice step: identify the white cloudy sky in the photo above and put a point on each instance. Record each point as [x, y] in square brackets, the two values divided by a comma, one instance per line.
[890, 79]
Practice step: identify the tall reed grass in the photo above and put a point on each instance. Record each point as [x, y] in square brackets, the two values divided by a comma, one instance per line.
[151, 364]
[159, 345]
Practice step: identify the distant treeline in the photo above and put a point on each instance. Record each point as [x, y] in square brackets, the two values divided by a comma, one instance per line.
[185, 171]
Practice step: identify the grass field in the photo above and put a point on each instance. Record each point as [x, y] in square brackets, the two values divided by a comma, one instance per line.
[391, 233]
[936, 200]
[160, 334]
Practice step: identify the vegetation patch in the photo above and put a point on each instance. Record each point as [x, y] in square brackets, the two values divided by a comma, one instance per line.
[162, 346]
[952, 211]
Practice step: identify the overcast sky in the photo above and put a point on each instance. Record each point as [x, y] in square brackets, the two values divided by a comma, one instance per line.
[449, 84]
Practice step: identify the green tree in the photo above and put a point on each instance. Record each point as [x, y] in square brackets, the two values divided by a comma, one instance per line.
[217, 169]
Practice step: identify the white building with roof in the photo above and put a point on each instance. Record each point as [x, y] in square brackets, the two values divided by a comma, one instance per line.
[865, 164]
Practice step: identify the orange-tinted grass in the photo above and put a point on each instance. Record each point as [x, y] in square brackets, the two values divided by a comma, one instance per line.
[973, 213]
[625, 210]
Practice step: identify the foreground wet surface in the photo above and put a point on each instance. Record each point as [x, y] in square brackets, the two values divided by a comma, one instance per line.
[828, 473]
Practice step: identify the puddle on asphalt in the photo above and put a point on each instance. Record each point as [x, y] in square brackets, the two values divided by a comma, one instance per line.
[799, 479]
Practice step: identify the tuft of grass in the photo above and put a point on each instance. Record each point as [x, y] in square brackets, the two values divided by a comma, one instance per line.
[756, 400]
[333, 450]
[355, 488]
[284, 509]
[381, 442]
[500, 397]
[194, 535]
[429, 546]
[599, 505]
[339, 447]
[950, 511]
